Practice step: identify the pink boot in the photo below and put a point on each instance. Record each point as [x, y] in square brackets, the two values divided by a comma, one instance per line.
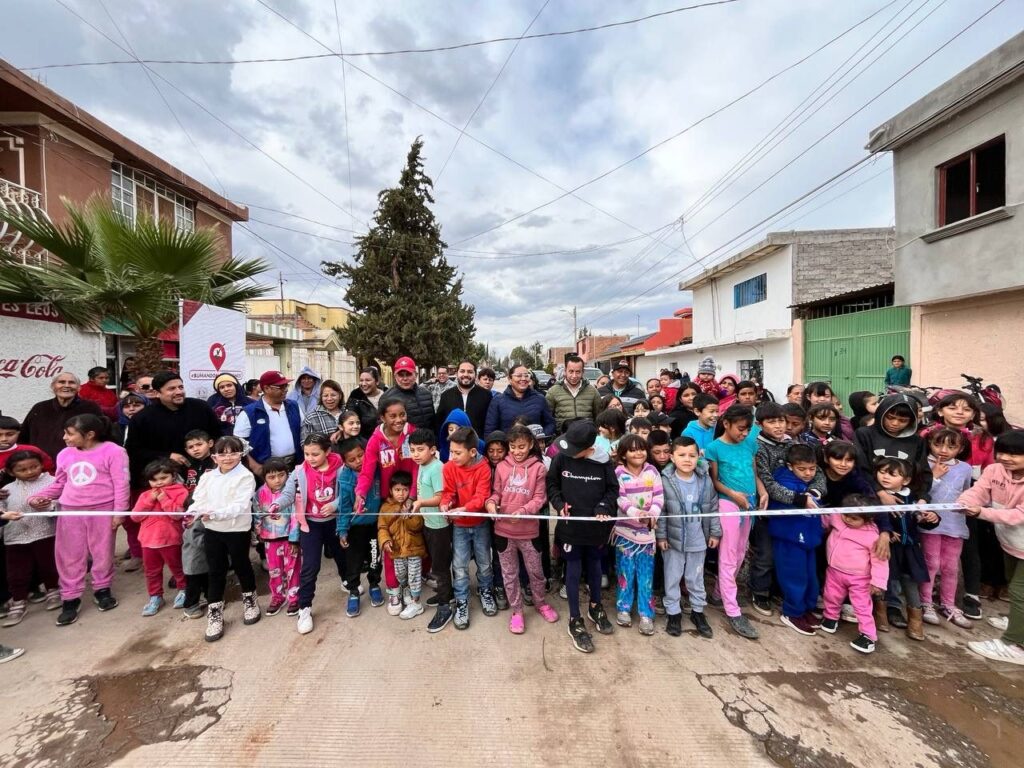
[549, 614]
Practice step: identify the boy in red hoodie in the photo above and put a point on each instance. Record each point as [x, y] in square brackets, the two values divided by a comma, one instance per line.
[467, 484]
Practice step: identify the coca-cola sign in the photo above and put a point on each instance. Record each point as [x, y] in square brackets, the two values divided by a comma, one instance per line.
[38, 366]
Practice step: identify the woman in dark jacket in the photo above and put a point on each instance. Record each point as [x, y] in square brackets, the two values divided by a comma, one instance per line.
[365, 398]
[228, 401]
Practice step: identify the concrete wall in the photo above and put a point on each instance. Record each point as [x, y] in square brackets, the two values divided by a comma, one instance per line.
[990, 258]
[863, 258]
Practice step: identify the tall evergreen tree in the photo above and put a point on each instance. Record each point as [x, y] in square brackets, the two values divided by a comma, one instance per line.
[407, 299]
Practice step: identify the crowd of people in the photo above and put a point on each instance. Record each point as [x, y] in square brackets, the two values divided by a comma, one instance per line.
[668, 493]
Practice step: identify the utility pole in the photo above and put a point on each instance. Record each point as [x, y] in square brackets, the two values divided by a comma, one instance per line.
[280, 282]
[638, 325]
[575, 332]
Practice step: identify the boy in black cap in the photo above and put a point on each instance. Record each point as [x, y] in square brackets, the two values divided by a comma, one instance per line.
[581, 482]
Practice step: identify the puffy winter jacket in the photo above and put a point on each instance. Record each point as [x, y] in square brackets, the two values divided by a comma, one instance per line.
[506, 408]
[405, 532]
[419, 404]
[565, 406]
[688, 534]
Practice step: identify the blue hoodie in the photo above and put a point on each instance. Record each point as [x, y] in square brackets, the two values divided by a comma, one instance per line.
[460, 418]
[804, 530]
[308, 402]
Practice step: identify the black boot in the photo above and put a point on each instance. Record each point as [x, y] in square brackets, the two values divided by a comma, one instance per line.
[104, 600]
[674, 625]
[68, 612]
[701, 623]
[895, 616]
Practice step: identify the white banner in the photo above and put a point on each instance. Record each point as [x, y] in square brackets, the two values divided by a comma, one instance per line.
[212, 342]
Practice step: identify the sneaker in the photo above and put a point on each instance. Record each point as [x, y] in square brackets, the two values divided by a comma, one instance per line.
[600, 619]
[132, 564]
[742, 626]
[433, 601]
[929, 615]
[352, 605]
[562, 593]
[659, 605]
[762, 604]
[580, 637]
[646, 626]
[430, 581]
[528, 595]
[488, 603]
[15, 612]
[700, 621]
[376, 596]
[847, 614]
[674, 625]
[304, 624]
[604, 581]
[104, 600]
[829, 625]
[52, 599]
[68, 612]
[36, 596]
[9, 654]
[549, 614]
[1004, 594]
[501, 598]
[153, 606]
[461, 614]
[195, 611]
[812, 619]
[517, 624]
[624, 619]
[797, 623]
[954, 616]
[250, 608]
[863, 643]
[1002, 623]
[215, 622]
[406, 596]
[179, 600]
[442, 616]
[292, 609]
[972, 607]
[394, 604]
[275, 606]
[998, 650]
[412, 610]
[344, 588]
[895, 616]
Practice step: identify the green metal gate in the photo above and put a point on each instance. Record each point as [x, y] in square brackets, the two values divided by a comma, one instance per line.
[853, 351]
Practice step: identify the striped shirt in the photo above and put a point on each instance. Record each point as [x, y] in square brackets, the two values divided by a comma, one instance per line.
[640, 497]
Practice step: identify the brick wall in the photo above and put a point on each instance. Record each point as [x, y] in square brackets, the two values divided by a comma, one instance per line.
[844, 261]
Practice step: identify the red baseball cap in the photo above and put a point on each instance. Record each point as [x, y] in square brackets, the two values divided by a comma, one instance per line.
[273, 379]
[404, 364]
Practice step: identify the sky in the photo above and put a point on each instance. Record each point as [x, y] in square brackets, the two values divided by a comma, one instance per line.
[510, 127]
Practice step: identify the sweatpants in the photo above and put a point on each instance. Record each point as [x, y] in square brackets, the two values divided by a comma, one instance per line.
[1015, 581]
[760, 572]
[31, 562]
[796, 570]
[153, 561]
[731, 551]
[224, 552]
[439, 545]
[688, 566]
[509, 551]
[131, 530]
[284, 571]
[196, 585]
[574, 556]
[78, 540]
[409, 573]
[321, 533]
[837, 586]
[362, 548]
[634, 568]
[942, 556]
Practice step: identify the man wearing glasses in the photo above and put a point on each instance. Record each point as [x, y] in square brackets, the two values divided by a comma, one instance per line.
[271, 424]
[419, 404]
[144, 386]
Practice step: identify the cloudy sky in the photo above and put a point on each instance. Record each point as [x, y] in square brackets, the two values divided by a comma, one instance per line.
[564, 111]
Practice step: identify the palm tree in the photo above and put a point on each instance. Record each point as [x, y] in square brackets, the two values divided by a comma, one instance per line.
[106, 267]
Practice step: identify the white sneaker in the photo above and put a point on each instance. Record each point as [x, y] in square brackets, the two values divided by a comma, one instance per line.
[411, 611]
[604, 581]
[930, 616]
[563, 593]
[847, 614]
[305, 622]
[1002, 623]
[406, 596]
[394, 605]
[998, 650]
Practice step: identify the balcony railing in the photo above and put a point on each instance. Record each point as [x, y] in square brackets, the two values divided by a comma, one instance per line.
[27, 202]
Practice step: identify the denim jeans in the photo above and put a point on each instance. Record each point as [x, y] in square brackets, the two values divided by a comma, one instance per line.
[476, 540]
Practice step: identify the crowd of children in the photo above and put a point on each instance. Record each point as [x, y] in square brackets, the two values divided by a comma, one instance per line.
[662, 503]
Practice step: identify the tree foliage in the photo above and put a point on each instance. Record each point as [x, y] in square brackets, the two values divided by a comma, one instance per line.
[531, 356]
[407, 299]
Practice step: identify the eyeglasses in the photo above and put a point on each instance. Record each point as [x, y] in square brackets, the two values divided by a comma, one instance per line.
[521, 376]
[145, 387]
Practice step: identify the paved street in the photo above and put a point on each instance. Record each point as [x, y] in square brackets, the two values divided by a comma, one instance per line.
[117, 689]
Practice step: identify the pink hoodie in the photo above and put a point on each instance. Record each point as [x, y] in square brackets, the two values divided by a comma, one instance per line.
[519, 489]
[92, 479]
[851, 550]
[1002, 499]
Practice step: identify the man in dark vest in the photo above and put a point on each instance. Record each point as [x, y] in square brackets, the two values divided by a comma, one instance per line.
[271, 424]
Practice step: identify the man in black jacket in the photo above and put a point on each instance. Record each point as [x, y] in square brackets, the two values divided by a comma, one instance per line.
[467, 395]
[419, 404]
[622, 387]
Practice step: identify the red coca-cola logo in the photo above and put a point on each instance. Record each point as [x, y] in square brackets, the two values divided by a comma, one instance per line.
[41, 366]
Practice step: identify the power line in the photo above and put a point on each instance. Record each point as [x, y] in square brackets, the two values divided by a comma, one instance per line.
[437, 49]
[344, 97]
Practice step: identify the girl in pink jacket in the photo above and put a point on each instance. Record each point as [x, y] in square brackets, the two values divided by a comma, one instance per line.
[519, 489]
[998, 497]
[160, 531]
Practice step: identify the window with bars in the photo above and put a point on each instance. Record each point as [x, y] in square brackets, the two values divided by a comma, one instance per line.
[132, 191]
[973, 183]
[750, 291]
[752, 370]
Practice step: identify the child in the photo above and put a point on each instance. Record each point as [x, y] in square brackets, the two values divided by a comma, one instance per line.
[400, 534]
[683, 541]
[457, 419]
[907, 568]
[357, 532]
[642, 409]
[349, 425]
[795, 538]
[863, 404]
[160, 534]
[581, 482]
[640, 501]
[821, 425]
[731, 467]
[942, 545]
[843, 477]
[854, 570]
[999, 498]
[223, 500]
[317, 492]
[640, 426]
[659, 443]
[746, 395]
[495, 448]
[277, 527]
[437, 532]
[611, 425]
[9, 430]
[893, 433]
[519, 489]
[682, 414]
[92, 474]
[702, 429]
[198, 448]
[467, 484]
[796, 420]
[898, 375]
[28, 541]
[706, 377]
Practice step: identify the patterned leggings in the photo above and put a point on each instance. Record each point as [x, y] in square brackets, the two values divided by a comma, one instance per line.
[634, 564]
[284, 571]
[409, 571]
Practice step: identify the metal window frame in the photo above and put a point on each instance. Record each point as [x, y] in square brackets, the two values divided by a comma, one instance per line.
[184, 209]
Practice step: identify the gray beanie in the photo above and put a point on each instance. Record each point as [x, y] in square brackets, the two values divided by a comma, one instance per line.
[707, 365]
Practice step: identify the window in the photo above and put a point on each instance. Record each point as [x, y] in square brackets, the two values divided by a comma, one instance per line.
[973, 183]
[133, 191]
[122, 192]
[750, 291]
[752, 370]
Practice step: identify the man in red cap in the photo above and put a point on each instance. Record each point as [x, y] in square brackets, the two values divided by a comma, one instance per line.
[271, 424]
[419, 403]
